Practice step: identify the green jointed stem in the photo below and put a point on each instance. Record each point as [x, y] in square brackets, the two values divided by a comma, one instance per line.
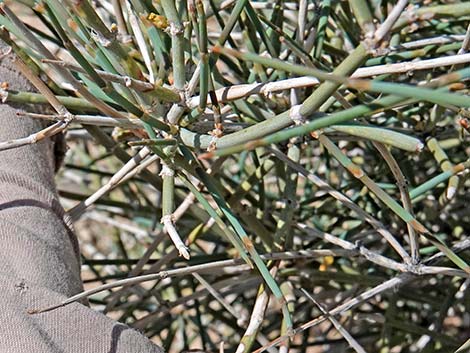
[338, 77]
[177, 42]
[253, 179]
[270, 281]
[443, 160]
[426, 13]
[253, 16]
[391, 203]
[235, 142]
[425, 94]
[386, 136]
[105, 37]
[326, 89]
[321, 29]
[154, 142]
[204, 63]
[359, 174]
[239, 5]
[283, 234]
[229, 233]
[168, 199]
[363, 16]
[39, 46]
[108, 89]
[71, 103]
[431, 183]
[408, 55]
[283, 120]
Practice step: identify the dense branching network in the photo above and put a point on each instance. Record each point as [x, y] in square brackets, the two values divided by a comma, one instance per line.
[248, 174]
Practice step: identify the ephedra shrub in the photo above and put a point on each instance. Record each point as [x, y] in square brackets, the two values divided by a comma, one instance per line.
[291, 174]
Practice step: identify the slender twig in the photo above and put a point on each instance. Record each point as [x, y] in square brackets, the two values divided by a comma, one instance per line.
[49, 95]
[466, 42]
[168, 177]
[369, 255]
[90, 120]
[387, 25]
[240, 319]
[446, 166]
[78, 210]
[444, 39]
[347, 336]
[185, 271]
[168, 93]
[347, 202]
[390, 284]
[404, 194]
[257, 316]
[121, 23]
[105, 108]
[139, 37]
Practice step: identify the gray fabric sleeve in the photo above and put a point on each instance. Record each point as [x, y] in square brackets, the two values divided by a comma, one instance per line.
[39, 256]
